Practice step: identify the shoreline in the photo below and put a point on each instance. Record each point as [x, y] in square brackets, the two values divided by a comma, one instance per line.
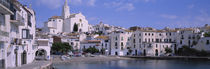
[168, 57]
[57, 60]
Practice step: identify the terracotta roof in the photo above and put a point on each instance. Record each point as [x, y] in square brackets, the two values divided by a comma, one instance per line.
[102, 37]
[94, 41]
[128, 31]
[91, 41]
[73, 34]
[158, 30]
[56, 17]
[187, 29]
[208, 27]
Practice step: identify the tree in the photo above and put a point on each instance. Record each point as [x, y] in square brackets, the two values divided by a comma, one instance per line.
[75, 29]
[91, 50]
[168, 50]
[102, 51]
[61, 48]
[187, 51]
[207, 34]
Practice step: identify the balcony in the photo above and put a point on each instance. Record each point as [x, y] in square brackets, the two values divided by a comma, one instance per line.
[16, 41]
[4, 34]
[19, 20]
[5, 7]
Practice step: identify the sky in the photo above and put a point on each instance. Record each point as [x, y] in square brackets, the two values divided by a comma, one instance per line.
[127, 13]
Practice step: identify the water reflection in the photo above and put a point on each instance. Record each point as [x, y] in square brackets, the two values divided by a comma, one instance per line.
[137, 64]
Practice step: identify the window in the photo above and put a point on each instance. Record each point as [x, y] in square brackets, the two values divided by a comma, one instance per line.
[25, 33]
[145, 39]
[115, 38]
[134, 35]
[121, 38]
[149, 40]
[180, 41]
[2, 18]
[134, 41]
[122, 44]
[121, 48]
[29, 20]
[145, 34]
[156, 46]
[72, 43]
[115, 43]
[160, 34]
[207, 42]
[80, 20]
[139, 40]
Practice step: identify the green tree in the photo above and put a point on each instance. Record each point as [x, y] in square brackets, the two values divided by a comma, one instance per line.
[102, 51]
[75, 29]
[61, 47]
[91, 50]
[187, 51]
[207, 34]
[168, 50]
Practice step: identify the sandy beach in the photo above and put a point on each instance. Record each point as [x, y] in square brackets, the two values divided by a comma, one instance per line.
[57, 60]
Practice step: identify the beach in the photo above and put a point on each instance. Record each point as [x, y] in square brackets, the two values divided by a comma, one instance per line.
[57, 60]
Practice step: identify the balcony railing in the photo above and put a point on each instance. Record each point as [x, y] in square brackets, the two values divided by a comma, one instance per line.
[3, 33]
[6, 3]
[5, 7]
[18, 20]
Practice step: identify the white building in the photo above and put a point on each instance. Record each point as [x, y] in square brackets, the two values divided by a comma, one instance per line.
[4, 31]
[54, 25]
[67, 22]
[90, 44]
[18, 46]
[120, 43]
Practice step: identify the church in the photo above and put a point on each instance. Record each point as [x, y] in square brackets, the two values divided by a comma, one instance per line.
[67, 22]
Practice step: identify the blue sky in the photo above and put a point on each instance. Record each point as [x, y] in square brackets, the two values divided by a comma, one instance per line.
[127, 13]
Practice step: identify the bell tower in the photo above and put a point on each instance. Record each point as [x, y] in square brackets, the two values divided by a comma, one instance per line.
[66, 10]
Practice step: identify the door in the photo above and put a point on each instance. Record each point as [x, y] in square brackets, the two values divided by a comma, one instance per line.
[156, 52]
[144, 52]
[23, 55]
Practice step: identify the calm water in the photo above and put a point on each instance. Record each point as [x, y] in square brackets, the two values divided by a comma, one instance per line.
[137, 64]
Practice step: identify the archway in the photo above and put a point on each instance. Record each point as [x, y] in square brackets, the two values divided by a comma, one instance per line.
[156, 52]
[41, 54]
[116, 53]
[144, 52]
[136, 52]
[24, 57]
[16, 57]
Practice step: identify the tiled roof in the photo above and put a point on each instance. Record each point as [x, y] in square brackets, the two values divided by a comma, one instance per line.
[102, 37]
[56, 17]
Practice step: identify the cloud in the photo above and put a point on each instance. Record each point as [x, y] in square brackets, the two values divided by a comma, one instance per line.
[120, 6]
[91, 2]
[83, 2]
[200, 19]
[169, 16]
[127, 7]
[52, 4]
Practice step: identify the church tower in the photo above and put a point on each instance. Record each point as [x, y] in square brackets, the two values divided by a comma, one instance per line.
[66, 11]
